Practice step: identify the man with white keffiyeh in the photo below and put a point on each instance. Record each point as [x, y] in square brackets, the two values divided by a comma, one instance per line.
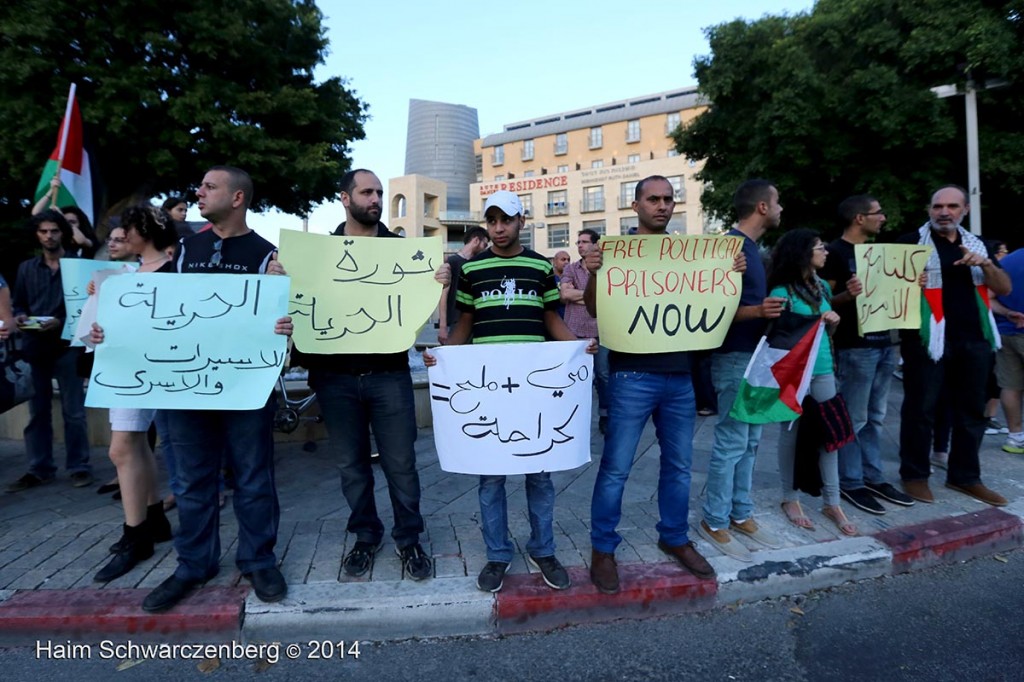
[957, 331]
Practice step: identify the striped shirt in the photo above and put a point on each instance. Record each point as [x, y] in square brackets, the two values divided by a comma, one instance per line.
[507, 296]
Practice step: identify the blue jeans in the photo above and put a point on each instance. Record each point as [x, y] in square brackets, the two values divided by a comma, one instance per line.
[731, 469]
[163, 432]
[350, 405]
[633, 398]
[201, 438]
[601, 372]
[864, 375]
[540, 503]
[39, 432]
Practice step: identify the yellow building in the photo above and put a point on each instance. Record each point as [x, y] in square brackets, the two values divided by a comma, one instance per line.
[579, 169]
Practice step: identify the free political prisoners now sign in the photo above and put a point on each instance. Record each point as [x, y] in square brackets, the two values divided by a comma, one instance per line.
[666, 293]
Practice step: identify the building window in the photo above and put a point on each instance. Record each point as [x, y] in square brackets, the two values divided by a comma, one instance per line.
[672, 122]
[633, 130]
[558, 235]
[528, 174]
[498, 157]
[597, 163]
[678, 189]
[677, 225]
[627, 193]
[633, 158]
[673, 152]
[561, 144]
[399, 206]
[499, 178]
[479, 161]
[527, 200]
[596, 138]
[558, 203]
[526, 236]
[593, 198]
[564, 168]
[527, 150]
[629, 225]
[595, 225]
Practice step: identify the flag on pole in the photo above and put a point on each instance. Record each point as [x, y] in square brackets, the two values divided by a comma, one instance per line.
[779, 373]
[72, 161]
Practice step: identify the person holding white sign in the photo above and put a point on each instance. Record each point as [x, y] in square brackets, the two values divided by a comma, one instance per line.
[507, 294]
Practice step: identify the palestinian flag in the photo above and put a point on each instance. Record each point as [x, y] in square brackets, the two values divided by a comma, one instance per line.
[70, 156]
[779, 373]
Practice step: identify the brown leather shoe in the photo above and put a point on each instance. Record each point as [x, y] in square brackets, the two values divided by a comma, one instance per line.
[603, 572]
[919, 490]
[979, 492]
[690, 558]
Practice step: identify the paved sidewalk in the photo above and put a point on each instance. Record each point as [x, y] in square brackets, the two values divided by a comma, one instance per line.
[53, 540]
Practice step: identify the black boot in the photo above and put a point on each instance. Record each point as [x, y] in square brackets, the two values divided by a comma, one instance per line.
[136, 545]
[159, 526]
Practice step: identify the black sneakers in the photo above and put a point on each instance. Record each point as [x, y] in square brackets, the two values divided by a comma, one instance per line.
[492, 577]
[554, 573]
[415, 561]
[360, 558]
[862, 499]
[889, 493]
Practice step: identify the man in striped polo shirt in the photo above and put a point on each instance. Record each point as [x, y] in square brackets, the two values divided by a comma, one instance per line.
[507, 294]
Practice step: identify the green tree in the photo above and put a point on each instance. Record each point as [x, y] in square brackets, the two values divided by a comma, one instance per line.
[167, 89]
[837, 101]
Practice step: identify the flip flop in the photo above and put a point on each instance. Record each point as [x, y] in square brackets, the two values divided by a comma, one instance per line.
[836, 516]
[799, 520]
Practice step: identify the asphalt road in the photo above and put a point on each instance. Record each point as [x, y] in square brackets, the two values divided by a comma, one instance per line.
[957, 622]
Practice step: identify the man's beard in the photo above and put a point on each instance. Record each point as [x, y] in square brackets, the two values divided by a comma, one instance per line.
[364, 216]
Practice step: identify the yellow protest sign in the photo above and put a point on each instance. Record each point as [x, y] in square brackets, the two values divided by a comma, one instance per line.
[359, 294]
[889, 274]
[664, 293]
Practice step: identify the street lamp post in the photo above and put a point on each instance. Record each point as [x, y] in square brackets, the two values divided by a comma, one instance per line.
[970, 94]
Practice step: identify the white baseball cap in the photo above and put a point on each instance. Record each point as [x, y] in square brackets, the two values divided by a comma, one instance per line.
[508, 202]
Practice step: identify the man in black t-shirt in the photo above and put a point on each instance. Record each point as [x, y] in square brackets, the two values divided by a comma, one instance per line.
[360, 390]
[475, 241]
[864, 363]
[957, 327]
[245, 437]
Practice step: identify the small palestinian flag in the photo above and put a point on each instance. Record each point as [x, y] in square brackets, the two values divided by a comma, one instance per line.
[779, 373]
[70, 157]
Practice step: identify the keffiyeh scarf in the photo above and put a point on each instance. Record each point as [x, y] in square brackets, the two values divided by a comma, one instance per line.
[933, 319]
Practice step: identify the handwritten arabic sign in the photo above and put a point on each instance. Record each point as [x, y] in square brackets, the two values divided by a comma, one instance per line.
[892, 295]
[517, 408]
[192, 341]
[75, 274]
[359, 294]
[658, 294]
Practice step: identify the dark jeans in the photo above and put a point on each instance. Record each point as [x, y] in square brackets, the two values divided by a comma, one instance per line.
[201, 438]
[39, 432]
[384, 400]
[963, 370]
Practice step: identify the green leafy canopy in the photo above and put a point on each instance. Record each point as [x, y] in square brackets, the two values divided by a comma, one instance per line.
[837, 101]
[167, 89]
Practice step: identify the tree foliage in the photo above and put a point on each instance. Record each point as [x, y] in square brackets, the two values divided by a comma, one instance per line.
[837, 101]
[167, 89]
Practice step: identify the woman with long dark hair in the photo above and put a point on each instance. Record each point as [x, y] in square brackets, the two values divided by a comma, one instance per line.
[796, 259]
[148, 232]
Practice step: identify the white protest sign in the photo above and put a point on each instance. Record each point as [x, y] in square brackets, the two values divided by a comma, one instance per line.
[518, 408]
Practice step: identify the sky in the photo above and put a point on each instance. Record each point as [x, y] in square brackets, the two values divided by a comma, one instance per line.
[510, 61]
